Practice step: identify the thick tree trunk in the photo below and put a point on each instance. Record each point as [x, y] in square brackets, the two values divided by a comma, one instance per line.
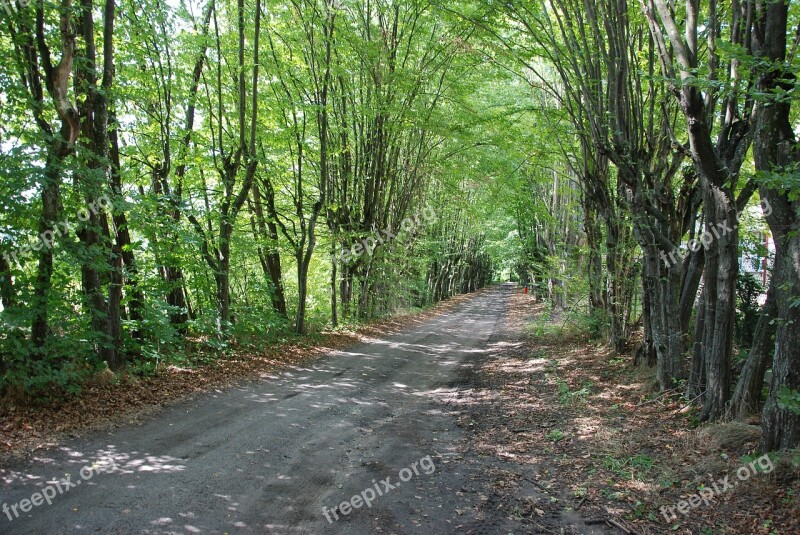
[720, 308]
[61, 145]
[615, 302]
[98, 265]
[718, 151]
[781, 426]
[115, 309]
[776, 150]
[222, 280]
[96, 305]
[663, 298]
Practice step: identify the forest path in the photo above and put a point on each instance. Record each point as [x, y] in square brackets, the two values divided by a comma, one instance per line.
[268, 456]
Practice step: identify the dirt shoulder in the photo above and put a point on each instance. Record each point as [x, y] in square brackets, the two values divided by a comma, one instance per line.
[565, 417]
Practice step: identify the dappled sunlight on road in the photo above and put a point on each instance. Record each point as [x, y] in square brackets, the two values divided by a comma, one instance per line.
[121, 463]
[264, 456]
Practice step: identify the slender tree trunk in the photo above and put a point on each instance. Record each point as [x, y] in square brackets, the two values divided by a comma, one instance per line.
[615, 302]
[222, 277]
[177, 296]
[7, 293]
[171, 273]
[646, 354]
[51, 205]
[334, 277]
[692, 275]
[270, 257]
[594, 264]
[747, 395]
[124, 245]
[696, 385]
[672, 368]
[302, 293]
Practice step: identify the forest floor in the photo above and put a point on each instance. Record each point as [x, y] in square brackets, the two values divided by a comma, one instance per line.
[533, 429]
[597, 435]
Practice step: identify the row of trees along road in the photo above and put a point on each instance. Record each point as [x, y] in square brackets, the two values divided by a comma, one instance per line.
[242, 147]
[255, 167]
[681, 113]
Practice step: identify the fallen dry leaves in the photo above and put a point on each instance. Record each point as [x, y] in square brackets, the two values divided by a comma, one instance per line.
[594, 431]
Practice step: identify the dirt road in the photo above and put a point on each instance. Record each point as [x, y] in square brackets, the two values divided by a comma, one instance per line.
[373, 425]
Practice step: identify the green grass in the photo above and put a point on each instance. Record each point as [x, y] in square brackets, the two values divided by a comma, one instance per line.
[627, 468]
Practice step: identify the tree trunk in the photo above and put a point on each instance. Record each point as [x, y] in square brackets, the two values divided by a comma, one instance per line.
[615, 301]
[302, 294]
[61, 145]
[222, 277]
[775, 151]
[718, 149]
[747, 395]
[123, 241]
[720, 284]
[96, 305]
[696, 385]
[692, 275]
[334, 296]
[781, 426]
[95, 235]
[268, 230]
[594, 264]
[7, 293]
[51, 204]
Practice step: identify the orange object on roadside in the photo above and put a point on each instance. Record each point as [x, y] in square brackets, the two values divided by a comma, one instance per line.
[525, 290]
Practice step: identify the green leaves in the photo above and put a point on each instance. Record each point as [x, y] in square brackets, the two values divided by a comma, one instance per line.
[789, 400]
[784, 181]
